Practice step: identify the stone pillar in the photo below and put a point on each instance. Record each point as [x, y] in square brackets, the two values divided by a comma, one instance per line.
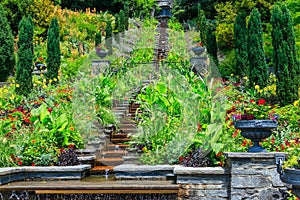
[254, 176]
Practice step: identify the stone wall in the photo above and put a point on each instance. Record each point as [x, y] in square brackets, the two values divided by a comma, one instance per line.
[250, 176]
[207, 183]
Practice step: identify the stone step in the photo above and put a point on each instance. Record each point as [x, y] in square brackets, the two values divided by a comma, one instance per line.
[128, 130]
[120, 140]
[119, 135]
[114, 154]
[132, 125]
[112, 147]
[109, 161]
[102, 170]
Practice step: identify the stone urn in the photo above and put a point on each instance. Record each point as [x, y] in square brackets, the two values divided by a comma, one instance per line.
[101, 53]
[198, 51]
[289, 175]
[256, 131]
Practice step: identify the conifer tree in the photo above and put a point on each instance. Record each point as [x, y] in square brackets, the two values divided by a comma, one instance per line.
[7, 59]
[24, 57]
[116, 28]
[212, 47]
[122, 22]
[126, 13]
[285, 62]
[53, 50]
[108, 37]
[258, 71]
[98, 39]
[203, 27]
[240, 44]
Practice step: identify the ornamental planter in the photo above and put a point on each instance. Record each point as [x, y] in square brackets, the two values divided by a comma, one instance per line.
[289, 175]
[101, 53]
[198, 51]
[256, 130]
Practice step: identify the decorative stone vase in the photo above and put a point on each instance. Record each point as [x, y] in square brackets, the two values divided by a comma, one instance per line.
[256, 130]
[289, 175]
[198, 51]
[101, 53]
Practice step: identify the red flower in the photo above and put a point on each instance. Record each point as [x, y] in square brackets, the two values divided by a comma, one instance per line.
[244, 143]
[261, 102]
[20, 163]
[282, 147]
[199, 127]
[27, 120]
[252, 101]
[50, 110]
[219, 154]
[273, 140]
[32, 164]
[235, 133]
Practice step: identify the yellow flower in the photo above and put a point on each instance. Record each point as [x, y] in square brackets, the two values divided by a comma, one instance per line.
[50, 81]
[34, 85]
[260, 91]
[231, 74]
[256, 87]
[41, 74]
[245, 77]
[5, 90]
[296, 103]
[44, 86]
[17, 85]
[55, 79]
[255, 109]
[12, 97]
[247, 109]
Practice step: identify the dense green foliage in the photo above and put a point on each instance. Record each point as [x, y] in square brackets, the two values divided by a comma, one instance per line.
[7, 58]
[285, 56]
[258, 71]
[240, 44]
[53, 50]
[25, 57]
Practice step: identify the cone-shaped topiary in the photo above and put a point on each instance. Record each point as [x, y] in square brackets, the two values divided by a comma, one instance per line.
[7, 58]
[258, 71]
[240, 44]
[24, 57]
[53, 51]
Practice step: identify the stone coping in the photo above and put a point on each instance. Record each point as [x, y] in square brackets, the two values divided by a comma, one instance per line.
[247, 155]
[180, 170]
[143, 168]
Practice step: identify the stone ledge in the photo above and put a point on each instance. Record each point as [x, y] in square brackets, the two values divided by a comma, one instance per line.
[180, 170]
[11, 174]
[246, 155]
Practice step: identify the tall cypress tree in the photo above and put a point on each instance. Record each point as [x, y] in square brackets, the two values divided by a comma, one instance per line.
[108, 36]
[203, 27]
[116, 28]
[25, 57]
[284, 55]
[122, 22]
[7, 59]
[258, 71]
[212, 46]
[240, 44]
[53, 50]
[126, 13]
